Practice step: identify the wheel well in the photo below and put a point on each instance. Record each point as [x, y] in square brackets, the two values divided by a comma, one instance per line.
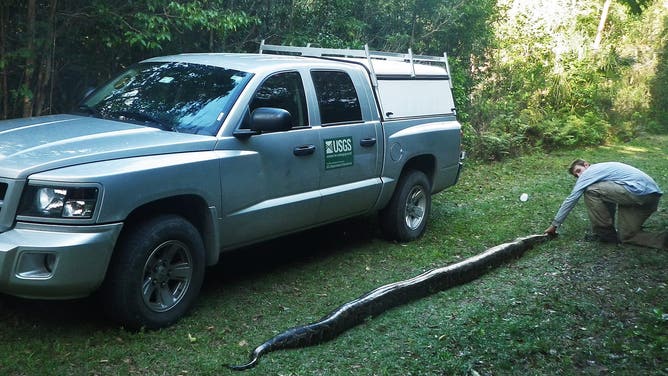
[424, 163]
[192, 208]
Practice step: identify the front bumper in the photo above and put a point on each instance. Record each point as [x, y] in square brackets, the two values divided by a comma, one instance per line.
[54, 261]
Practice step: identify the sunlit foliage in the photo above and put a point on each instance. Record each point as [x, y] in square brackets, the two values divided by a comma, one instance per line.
[545, 86]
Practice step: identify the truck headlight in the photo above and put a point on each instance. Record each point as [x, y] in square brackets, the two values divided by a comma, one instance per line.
[59, 202]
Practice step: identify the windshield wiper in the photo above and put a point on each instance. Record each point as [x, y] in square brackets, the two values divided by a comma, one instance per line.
[144, 118]
[89, 110]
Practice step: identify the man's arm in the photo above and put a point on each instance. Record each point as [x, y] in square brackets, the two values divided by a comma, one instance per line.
[589, 177]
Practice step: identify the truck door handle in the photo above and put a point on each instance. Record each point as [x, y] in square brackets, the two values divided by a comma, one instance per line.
[303, 150]
[366, 142]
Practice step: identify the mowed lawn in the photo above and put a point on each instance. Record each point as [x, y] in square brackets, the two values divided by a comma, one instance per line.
[567, 307]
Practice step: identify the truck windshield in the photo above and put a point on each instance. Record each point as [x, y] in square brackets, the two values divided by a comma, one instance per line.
[179, 97]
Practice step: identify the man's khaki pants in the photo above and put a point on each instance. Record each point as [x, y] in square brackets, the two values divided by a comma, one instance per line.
[601, 199]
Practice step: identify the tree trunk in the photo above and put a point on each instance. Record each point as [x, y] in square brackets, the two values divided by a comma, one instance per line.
[413, 24]
[3, 63]
[44, 75]
[30, 60]
[601, 24]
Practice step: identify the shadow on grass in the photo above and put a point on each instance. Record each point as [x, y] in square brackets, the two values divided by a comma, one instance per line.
[50, 314]
[247, 263]
[234, 267]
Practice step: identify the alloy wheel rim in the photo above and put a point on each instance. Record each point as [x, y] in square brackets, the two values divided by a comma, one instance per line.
[167, 275]
[416, 207]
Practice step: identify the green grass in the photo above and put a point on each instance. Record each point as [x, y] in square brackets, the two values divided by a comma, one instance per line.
[568, 307]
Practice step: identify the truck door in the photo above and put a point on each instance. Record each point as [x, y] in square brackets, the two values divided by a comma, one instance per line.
[271, 187]
[350, 168]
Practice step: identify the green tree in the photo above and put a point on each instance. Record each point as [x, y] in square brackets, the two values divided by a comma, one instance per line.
[635, 6]
[82, 42]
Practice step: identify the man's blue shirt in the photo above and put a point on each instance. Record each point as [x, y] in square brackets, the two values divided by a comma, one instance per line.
[634, 180]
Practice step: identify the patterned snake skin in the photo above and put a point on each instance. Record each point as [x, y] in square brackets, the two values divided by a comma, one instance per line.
[391, 295]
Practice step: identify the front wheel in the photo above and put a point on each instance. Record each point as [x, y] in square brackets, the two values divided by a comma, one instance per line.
[156, 273]
[405, 216]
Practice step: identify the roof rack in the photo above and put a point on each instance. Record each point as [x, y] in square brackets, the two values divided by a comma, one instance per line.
[365, 53]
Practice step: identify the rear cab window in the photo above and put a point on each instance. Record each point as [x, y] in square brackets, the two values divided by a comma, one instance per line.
[338, 100]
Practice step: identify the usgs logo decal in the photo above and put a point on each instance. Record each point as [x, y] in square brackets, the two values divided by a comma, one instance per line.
[338, 152]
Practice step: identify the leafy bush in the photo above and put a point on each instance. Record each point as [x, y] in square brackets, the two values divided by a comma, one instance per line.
[544, 87]
[588, 130]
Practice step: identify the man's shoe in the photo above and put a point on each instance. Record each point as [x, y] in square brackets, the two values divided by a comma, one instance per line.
[607, 238]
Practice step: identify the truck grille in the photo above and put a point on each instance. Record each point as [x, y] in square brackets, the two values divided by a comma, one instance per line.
[3, 192]
[6, 217]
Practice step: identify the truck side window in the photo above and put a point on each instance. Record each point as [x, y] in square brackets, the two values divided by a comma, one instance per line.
[337, 97]
[286, 91]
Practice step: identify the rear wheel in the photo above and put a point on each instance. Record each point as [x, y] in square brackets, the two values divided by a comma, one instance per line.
[405, 216]
[156, 273]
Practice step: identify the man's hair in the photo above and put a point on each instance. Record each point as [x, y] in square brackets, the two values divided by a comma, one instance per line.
[577, 162]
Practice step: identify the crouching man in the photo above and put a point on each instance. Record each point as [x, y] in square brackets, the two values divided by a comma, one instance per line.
[609, 188]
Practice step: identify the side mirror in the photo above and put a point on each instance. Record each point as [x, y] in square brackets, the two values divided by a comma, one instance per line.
[269, 119]
[264, 120]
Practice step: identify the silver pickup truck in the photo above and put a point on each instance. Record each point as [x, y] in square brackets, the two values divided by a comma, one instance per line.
[180, 158]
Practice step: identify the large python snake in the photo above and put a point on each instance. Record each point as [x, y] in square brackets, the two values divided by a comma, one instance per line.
[391, 295]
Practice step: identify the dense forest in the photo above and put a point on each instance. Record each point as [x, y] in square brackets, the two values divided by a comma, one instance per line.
[528, 74]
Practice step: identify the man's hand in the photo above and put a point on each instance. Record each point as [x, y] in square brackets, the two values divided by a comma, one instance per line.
[552, 230]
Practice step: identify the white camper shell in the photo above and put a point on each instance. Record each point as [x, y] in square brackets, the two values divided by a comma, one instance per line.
[425, 80]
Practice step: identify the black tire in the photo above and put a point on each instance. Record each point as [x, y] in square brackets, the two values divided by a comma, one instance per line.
[405, 217]
[156, 273]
